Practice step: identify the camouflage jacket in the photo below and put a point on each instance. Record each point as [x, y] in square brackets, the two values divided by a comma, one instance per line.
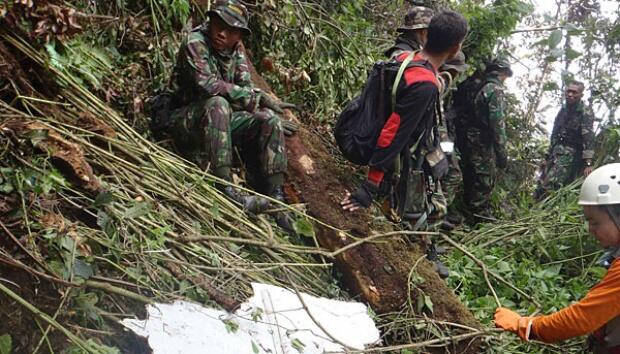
[201, 72]
[573, 127]
[401, 45]
[489, 110]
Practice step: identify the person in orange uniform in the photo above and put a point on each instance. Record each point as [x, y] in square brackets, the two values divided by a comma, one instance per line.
[598, 313]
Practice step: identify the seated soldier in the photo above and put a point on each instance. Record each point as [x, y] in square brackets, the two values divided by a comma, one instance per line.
[215, 106]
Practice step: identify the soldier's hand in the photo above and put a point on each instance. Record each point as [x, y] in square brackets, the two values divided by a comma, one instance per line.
[587, 171]
[289, 127]
[288, 105]
[267, 102]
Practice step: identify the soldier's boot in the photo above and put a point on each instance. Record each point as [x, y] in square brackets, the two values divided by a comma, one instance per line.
[447, 225]
[454, 217]
[538, 194]
[283, 219]
[440, 268]
[251, 203]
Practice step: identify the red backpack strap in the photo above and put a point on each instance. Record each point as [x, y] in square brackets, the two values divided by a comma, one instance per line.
[418, 71]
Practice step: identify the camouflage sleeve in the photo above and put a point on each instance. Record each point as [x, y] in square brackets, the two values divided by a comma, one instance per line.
[197, 53]
[497, 121]
[242, 71]
[587, 134]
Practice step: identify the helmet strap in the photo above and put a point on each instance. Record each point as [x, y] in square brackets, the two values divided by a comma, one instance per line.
[613, 215]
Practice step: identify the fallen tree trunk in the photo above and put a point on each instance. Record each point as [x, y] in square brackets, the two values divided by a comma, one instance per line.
[379, 272]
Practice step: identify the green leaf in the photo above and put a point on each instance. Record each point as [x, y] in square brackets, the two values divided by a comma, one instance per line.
[255, 348]
[231, 326]
[103, 198]
[298, 345]
[67, 243]
[304, 227]
[572, 54]
[82, 269]
[36, 136]
[6, 344]
[140, 209]
[554, 38]
[550, 86]
[105, 223]
[428, 303]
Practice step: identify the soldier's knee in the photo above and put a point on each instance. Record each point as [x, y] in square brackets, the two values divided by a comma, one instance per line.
[217, 103]
[273, 120]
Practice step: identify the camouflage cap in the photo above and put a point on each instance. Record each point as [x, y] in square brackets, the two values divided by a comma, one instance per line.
[233, 13]
[417, 18]
[499, 64]
[457, 63]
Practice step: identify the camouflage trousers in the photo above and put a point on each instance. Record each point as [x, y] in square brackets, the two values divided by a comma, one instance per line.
[423, 198]
[206, 132]
[561, 168]
[479, 171]
[451, 183]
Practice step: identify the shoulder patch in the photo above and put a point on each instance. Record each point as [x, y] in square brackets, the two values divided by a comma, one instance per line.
[417, 74]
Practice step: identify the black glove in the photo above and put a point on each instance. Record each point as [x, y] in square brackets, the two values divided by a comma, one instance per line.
[289, 127]
[267, 102]
[363, 196]
[501, 161]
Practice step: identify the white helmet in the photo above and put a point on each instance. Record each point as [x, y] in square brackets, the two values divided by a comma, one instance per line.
[602, 186]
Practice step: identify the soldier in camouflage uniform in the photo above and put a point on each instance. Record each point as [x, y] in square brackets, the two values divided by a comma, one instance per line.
[451, 183]
[481, 139]
[215, 106]
[571, 150]
[412, 35]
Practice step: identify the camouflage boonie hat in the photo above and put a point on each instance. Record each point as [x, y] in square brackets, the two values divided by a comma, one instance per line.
[457, 63]
[233, 13]
[499, 65]
[417, 18]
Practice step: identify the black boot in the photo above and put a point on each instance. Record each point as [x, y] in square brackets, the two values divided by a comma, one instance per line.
[284, 219]
[277, 193]
[440, 268]
[251, 203]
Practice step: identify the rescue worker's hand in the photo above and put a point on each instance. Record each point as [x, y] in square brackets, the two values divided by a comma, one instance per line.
[587, 171]
[513, 322]
[289, 127]
[362, 198]
[266, 101]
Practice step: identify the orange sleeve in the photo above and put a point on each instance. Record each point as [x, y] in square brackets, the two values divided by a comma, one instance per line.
[598, 307]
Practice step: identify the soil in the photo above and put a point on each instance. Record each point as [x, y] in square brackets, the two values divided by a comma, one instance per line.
[19, 322]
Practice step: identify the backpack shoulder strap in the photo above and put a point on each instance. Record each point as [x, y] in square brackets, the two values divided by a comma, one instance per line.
[399, 76]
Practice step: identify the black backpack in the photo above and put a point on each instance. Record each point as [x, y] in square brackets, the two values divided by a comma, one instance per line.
[463, 100]
[359, 125]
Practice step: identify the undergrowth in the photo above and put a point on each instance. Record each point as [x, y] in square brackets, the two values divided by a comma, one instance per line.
[544, 251]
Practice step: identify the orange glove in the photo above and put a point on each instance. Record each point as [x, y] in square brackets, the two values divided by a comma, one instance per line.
[513, 322]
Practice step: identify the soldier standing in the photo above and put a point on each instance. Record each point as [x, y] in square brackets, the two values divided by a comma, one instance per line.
[481, 138]
[451, 183]
[571, 150]
[412, 35]
[215, 106]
